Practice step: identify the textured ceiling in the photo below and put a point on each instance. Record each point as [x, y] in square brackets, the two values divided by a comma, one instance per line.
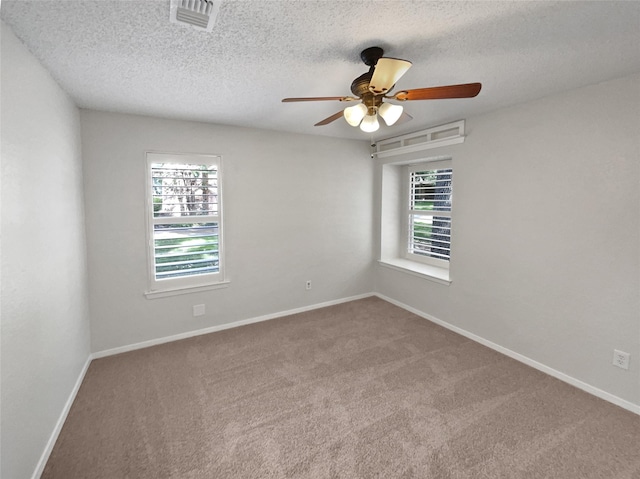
[125, 56]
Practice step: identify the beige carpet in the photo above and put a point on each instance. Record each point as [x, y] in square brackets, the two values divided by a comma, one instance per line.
[358, 390]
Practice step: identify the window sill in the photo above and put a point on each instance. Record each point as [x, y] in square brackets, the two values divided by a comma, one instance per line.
[424, 271]
[163, 293]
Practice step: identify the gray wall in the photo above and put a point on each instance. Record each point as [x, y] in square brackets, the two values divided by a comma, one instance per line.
[45, 324]
[296, 208]
[546, 234]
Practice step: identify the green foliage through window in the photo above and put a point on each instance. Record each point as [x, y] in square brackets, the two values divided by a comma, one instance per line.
[430, 233]
[186, 230]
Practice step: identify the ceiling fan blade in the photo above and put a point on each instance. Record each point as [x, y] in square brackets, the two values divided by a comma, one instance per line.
[321, 98]
[466, 90]
[386, 73]
[405, 117]
[328, 120]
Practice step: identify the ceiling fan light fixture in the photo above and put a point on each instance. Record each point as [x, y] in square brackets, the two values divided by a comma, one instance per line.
[390, 112]
[370, 123]
[355, 114]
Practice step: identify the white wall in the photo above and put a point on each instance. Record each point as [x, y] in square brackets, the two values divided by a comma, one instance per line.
[45, 325]
[296, 207]
[546, 234]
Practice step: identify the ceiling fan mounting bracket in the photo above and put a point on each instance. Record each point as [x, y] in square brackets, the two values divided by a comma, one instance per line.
[371, 55]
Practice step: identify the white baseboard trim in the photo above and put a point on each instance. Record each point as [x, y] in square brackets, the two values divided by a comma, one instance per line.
[221, 327]
[623, 403]
[63, 417]
[145, 344]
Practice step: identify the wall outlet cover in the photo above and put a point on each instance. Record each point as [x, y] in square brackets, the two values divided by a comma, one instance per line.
[621, 359]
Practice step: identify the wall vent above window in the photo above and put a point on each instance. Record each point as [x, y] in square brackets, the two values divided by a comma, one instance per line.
[435, 137]
[199, 14]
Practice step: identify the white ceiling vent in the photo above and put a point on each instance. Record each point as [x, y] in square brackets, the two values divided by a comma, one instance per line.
[200, 14]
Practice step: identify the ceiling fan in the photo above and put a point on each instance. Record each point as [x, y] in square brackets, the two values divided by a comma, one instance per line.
[372, 87]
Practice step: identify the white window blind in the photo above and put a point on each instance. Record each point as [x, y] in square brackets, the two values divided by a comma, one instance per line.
[429, 215]
[185, 219]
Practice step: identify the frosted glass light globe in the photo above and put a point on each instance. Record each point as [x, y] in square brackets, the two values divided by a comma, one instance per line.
[355, 114]
[390, 113]
[370, 123]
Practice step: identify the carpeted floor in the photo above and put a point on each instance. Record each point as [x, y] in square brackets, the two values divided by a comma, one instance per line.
[358, 390]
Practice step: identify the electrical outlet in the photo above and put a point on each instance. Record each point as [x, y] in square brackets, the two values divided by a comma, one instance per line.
[308, 285]
[621, 359]
[198, 310]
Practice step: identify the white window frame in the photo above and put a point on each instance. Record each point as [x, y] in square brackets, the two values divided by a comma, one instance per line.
[193, 283]
[408, 214]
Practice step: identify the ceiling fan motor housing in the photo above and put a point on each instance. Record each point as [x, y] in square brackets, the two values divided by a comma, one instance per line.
[360, 86]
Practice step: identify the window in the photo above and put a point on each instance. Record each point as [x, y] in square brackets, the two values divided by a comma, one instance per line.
[416, 178]
[185, 221]
[429, 213]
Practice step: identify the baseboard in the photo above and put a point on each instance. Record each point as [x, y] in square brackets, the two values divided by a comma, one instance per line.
[145, 344]
[623, 403]
[63, 417]
[221, 327]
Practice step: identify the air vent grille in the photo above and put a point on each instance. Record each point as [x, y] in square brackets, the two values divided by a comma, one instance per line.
[434, 137]
[199, 14]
